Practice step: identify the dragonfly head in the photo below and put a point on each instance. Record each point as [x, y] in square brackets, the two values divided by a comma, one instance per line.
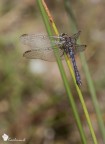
[63, 34]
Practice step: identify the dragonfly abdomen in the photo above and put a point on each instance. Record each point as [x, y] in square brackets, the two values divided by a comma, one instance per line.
[77, 75]
[78, 78]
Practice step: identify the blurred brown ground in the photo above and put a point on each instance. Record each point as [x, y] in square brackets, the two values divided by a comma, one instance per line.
[33, 101]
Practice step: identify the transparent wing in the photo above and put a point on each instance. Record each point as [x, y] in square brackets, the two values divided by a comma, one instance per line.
[40, 41]
[79, 48]
[75, 37]
[44, 54]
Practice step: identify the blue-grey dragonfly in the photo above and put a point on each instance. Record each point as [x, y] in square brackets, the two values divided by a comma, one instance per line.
[41, 47]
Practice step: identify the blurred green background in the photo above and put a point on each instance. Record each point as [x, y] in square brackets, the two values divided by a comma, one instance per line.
[33, 101]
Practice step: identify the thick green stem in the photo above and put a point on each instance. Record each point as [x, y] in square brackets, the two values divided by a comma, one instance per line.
[87, 72]
[63, 75]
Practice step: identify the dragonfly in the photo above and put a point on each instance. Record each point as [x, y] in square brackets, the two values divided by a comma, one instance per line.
[41, 47]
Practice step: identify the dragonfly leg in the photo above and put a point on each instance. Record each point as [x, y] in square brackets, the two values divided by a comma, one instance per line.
[62, 54]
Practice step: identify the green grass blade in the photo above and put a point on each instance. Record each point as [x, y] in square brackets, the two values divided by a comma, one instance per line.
[64, 78]
[87, 72]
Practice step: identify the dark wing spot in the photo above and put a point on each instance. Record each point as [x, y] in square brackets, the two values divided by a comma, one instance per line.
[26, 52]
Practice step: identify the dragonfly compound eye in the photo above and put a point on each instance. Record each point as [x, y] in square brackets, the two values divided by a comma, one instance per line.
[63, 34]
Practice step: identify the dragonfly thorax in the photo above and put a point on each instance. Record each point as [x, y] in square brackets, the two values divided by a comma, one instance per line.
[67, 45]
